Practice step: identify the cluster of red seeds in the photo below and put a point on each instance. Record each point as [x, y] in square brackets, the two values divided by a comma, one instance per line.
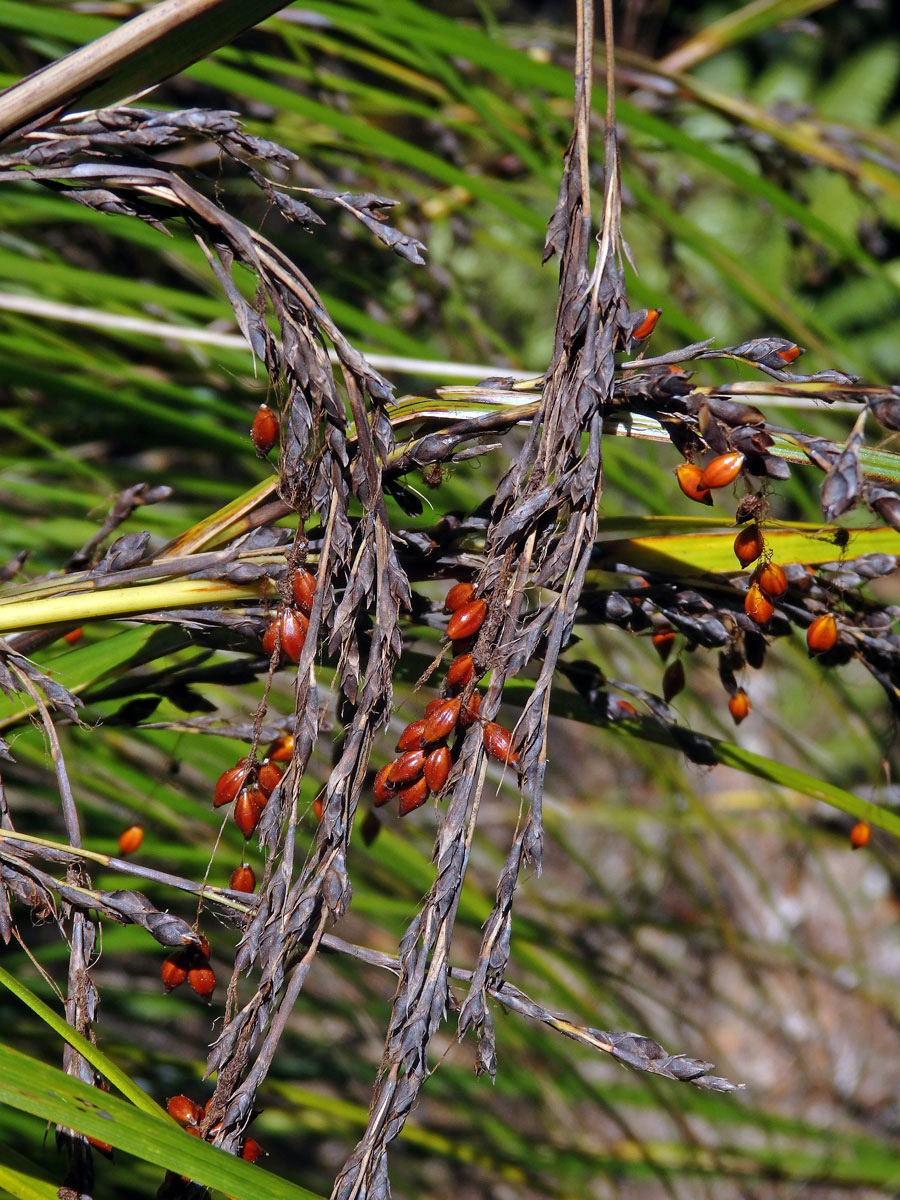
[425, 756]
[190, 964]
[248, 785]
[768, 583]
[290, 626]
[188, 1114]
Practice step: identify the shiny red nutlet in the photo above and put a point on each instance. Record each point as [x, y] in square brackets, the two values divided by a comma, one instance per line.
[442, 721]
[461, 671]
[688, 476]
[772, 580]
[289, 627]
[663, 641]
[412, 797]
[498, 743]
[265, 430]
[469, 714]
[437, 768]
[860, 835]
[105, 1148]
[319, 806]
[248, 809]
[459, 594]
[243, 879]
[757, 605]
[467, 620]
[230, 783]
[268, 776]
[646, 326]
[202, 980]
[174, 970]
[130, 839]
[74, 635]
[821, 635]
[304, 588]
[432, 706]
[722, 470]
[282, 749]
[413, 736]
[381, 787]
[183, 1110]
[406, 769]
[790, 355]
[749, 545]
[739, 706]
[251, 1150]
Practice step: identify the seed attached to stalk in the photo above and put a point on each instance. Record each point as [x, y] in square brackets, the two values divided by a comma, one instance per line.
[382, 787]
[413, 736]
[130, 839]
[251, 1150]
[174, 970]
[442, 721]
[461, 671]
[74, 635]
[688, 476]
[248, 809]
[822, 634]
[202, 980]
[772, 580]
[739, 706]
[437, 768]
[268, 776]
[292, 627]
[230, 783]
[265, 430]
[757, 605]
[467, 620]
[790, 355]
[281, 750]
[407, 768]
[860, 835]
[412, 797]
[468, 715]
[459, 594]
[498, 743]
[646, 325]
[749, 545]
[184, 1110]
[304, 588]
[243, 879]
[663, 641]
[722, 470]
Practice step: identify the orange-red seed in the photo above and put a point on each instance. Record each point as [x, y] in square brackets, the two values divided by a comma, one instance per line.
[460, 671]
[459, 594]
[407, 768]
[772, 579]
[688, 476]
[739, 706]
[749, 545]
[860, 835]
[722, 470]
[437, 768]
[130, 839]
[822, 634]
[304, 587]
[243, 879]
[442, 721]
[498, 742]
[757, 605]
[413, 736]
[202, 980]
[184, 1110]
[467, 620]
[265, 430]
[412, 797]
